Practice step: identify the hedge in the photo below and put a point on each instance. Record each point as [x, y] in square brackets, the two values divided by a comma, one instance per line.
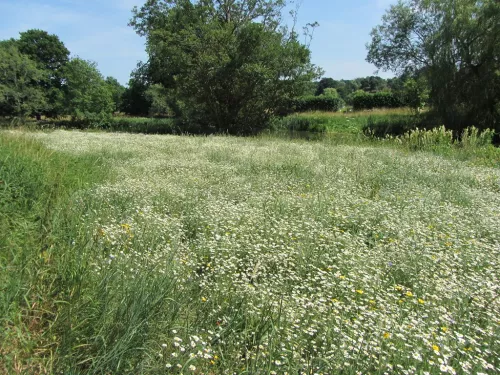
[377, 100]
[317, 103]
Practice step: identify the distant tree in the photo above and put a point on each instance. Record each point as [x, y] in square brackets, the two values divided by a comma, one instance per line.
[325, 83]
[372, 84]
[331, 92]
[51, 56]
[227, 64]
[456, 44]
[117, 91]
[87, 95]
[20, 94]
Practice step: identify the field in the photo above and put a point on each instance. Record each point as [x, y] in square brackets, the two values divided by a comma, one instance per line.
[153, 254]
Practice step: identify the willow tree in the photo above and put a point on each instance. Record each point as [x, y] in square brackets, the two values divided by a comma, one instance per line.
[455, 44]
[226, 65]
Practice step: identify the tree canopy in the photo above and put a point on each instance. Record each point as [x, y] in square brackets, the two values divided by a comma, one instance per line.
[226, 65]
[20, 94]
[455, 45]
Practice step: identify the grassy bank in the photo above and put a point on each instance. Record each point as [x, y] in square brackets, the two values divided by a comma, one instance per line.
[214, 255]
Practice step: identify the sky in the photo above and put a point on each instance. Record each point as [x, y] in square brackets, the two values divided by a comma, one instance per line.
[97, 30]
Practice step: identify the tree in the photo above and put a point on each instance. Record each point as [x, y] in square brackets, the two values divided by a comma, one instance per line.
[20, 94]
[135, 101]
[117, 91]
[325, 83]
[416, 93]
[226, 65]
[50, 56]
[456, 45]
[331, 92]
[373, 84]
[88, 97]
[157, 96]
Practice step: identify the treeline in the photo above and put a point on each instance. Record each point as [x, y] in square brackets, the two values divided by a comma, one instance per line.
[231, 66]
[38, 78]
[360, 93]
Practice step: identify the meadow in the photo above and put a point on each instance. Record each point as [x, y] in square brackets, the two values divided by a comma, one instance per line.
[160, 254]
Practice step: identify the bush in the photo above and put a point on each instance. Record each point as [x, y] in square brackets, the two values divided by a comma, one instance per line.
[395, 125]
[364, 100]
[471, 137]
[422, 139]
[317, 103]
[301, 124]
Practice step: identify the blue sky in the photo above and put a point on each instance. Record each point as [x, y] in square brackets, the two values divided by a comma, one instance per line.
[97, 30]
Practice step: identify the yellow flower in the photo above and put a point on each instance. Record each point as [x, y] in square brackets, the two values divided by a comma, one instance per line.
[341, 277]
[387, 335]
[444, 329]
[203, 299]
[435, 348]
[421, 301]
[126, 226]
[335, 300]
[372, 302]
[409, 294]
[359, 291]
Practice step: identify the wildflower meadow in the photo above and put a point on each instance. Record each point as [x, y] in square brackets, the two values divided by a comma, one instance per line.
[225, 255]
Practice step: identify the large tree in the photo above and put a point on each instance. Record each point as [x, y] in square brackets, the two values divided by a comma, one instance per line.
[20, 94]
[87, 95]
[455, 44]
[226, 65]
[50, 56]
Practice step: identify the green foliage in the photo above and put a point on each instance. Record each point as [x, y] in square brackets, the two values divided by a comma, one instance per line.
[158, 97]
[145, 125]
[456, 46]
[226, 66]
[35, 183]
[88, 97]
[117, 91]
[302, 124]
[317, 103]
[416, 93]
[363, 100]
[422, 139]
[474, 138]
[325, 83]
[50, 56]
[395, 125]
[20, 93]
[46, 50]
[135, 101]
[331, 92]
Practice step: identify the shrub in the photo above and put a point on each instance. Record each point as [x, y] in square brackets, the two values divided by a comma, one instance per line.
[422, 139]
[471, 137]
[364, 100]
[317, 103]
[395, 125]
[302, 124]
